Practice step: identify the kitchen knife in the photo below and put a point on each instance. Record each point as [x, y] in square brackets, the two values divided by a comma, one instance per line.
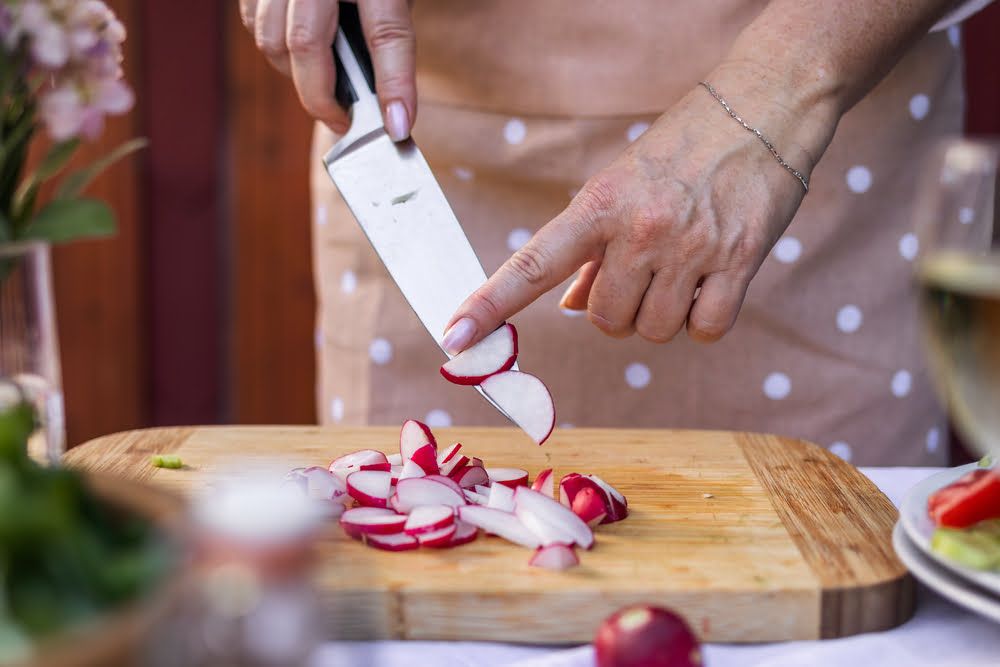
[395, 198]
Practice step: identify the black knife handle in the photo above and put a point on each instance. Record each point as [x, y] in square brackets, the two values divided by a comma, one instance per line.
[347, 90]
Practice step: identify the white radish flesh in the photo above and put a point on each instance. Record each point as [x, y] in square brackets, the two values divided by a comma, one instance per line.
[501, 498]
[439, 538]
[543, 483]
[429, 518]
[494, 354]
[370, 487]
[394, 542]
[365, 459]
[395, 459]
[419, 491]
[410, 470]
[412, 436]
[454, 465]
[501, 524]
[371, 520]
[481, 489]
[550, 520]
[395, 471]
[464, 533]
[618, 505]
[468, 478]
[447, 481]
[555, 557]
[475, 498]
[449, 453]
[322, 484]
[526, 400]
[512, 477]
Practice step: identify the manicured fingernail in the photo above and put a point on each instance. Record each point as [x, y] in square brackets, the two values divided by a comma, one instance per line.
[397, 123]
[459, 335]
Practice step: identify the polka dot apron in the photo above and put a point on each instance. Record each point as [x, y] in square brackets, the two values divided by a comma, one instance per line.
[827, 344]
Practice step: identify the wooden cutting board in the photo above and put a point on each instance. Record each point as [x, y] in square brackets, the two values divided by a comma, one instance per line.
[751, 537]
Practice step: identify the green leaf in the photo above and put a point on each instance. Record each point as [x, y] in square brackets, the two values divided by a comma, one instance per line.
[68, 219]
[75, 183]
[55, 159]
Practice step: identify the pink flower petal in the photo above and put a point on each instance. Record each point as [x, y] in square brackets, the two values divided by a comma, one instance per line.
[50, 46]
[114, 96]
[61, 111]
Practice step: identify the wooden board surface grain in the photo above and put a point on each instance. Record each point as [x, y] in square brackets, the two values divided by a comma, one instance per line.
[751, 537]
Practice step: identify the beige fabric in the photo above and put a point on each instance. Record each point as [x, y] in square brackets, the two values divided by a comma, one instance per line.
[826, 347]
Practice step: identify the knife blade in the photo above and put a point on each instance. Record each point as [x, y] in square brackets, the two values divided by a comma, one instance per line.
[396, 199]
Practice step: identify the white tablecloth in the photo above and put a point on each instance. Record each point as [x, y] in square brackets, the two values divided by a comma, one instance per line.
[939, 634]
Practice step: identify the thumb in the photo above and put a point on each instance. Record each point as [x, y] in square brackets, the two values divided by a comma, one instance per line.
[553, 254]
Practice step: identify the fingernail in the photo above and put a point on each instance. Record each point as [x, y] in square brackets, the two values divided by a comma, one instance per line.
[459, 335]
[397, 124]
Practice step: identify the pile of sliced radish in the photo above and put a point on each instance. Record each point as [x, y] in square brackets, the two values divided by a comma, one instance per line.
[523, 396]
[421, 497]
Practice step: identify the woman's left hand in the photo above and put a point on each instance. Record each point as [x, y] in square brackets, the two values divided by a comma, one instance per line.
[696, 202]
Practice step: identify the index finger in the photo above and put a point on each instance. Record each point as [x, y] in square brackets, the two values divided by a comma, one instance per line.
[553, 254]
[311, 27]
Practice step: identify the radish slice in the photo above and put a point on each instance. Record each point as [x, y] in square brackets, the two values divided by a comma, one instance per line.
[555, 557]
[370, 487]
[501, 498]
[494, 354]
[618, 505]
[550, 520]
[364, 459]
[438, 538]
[410, 470]
[526, 400]
[449, 453]
[322, 484]
[426, 458]
[454, 465]
[419, 491]
[467, 478]
[412, 436]
[543, 483]
[447, 481]
[428, 519]
[393, 542]
[395, 471]
[512, 477]
[475, 498]
[481, 489]
[464, 533]
[371, 520]
[590, 505]
[502, 524]
[395, 459]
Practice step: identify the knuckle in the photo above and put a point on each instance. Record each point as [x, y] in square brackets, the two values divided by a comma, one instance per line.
[611, 327]
[708, 329]
[270, 46]
[646, 228]
[653, 333]
[484, 301]
[302, 38]
[390, 34]
[530, 265]
[600, 195]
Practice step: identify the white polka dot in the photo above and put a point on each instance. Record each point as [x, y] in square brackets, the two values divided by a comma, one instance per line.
[954, 35]
[637, 375]
[966, 215]
[919, 106]
[933, 440]
[437, 417]
[841, 449]
[787, 249]
[635, 131]
[380, 351]
[859, 179]
[566, 425]
[849, 318]
[321, 214]
[337, 409]
[348, 282]
[517, 238]
[777, 386]
[901, 383]
[463, 173]
[909, 246]
[573, 313]
[514, 131]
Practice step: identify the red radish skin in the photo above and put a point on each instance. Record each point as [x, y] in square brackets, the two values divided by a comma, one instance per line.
[371, 520]
[589, 505]
[641, 636]
[453, 466]
[449, 453]
[555, 557]
[447, 481]
[364, 459]
[394, 542]
[494, 354]
[426, 458]
[526, 400]
[512, 477]
[428, 519]
[618, 505]
[395, 471]
[412, 436]
[501, 524]
[476, 463]
[550, 520]
[420, 491]
[410, 470]
[468, 478]
[371, 488]
[464, 533]
[543, 483]
[439, 538]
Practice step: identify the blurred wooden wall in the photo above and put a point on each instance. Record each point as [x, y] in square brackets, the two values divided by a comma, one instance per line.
[201, 309]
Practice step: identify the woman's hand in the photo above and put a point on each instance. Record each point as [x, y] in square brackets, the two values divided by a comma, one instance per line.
[672, 232]
[296, 36]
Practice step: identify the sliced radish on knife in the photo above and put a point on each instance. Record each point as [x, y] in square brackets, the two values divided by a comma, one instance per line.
[394, 542]
[426, 458]
[543, 483]
[526, 400]
[428, 519]
[549, 520]
[371, 488]
[371, 520]
[501, 524]
[512, 477]
[494, 354]
[555, 557]
[501, 498]
[419, 491]
[412, 436]
[468, 478]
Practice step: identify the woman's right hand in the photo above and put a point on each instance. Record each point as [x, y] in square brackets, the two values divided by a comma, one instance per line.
[296, 36]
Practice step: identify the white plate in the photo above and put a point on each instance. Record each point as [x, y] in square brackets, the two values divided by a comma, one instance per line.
[919, 527]
[942, 581]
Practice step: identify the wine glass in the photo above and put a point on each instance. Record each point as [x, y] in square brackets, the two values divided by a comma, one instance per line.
[958, 275]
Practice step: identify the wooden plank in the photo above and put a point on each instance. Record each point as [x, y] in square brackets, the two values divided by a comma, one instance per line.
[789, 543]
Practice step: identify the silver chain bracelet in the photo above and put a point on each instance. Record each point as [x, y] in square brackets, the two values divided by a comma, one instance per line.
[777, 156]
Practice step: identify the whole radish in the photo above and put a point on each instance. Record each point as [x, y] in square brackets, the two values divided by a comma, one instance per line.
[645, 636]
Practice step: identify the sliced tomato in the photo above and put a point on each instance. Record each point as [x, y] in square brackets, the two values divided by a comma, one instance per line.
[967, 501]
